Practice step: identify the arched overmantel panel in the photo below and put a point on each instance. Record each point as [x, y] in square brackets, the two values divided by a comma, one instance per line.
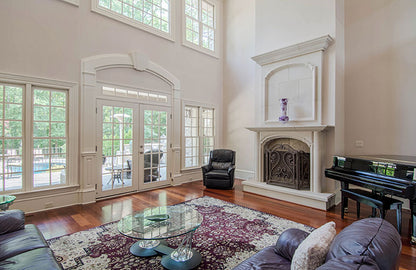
[295, 81]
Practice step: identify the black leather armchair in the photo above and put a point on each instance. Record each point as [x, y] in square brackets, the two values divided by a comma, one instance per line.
[219, 173]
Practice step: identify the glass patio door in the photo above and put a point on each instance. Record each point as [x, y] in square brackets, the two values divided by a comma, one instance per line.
[154, 145]
[117, 147]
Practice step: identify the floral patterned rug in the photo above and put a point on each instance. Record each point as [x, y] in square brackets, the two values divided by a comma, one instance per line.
[228, 235]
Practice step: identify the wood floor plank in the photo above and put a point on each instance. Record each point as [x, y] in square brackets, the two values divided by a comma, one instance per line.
[57, 222]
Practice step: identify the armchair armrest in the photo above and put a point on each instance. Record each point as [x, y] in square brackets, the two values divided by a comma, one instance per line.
[11, 220]
[206, 168]
[231, 169]
[289, 241]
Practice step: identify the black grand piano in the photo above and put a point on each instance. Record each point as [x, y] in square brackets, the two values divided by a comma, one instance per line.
[386, 175]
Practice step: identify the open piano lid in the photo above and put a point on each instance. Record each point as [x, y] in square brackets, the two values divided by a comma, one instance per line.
[403, 167]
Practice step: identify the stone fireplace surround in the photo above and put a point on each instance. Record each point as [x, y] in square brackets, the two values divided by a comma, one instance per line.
[294, 72]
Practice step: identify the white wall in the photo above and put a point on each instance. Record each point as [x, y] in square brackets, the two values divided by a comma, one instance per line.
[380, 68]
[281, 23]
[239, 83]
[48, 39]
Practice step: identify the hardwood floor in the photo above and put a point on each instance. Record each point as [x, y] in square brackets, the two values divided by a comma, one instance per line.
[71, 219]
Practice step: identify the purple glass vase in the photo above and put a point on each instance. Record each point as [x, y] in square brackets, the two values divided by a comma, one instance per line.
[283, 109]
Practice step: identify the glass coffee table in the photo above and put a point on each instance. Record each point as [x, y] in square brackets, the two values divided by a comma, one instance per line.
[6, 201]
[153, 225]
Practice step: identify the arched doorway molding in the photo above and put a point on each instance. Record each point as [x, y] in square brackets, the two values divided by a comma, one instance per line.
[88, 146]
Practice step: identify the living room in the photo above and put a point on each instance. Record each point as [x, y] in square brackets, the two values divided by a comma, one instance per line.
[104, 75]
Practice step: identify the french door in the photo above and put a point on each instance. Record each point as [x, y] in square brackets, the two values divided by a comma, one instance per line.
[154, 145]
[132, 141]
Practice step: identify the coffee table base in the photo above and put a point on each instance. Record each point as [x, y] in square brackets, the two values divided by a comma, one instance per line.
[171, 264]
[139, 251]
[167, 260]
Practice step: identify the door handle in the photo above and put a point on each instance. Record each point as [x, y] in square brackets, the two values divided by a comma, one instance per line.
[141, 152]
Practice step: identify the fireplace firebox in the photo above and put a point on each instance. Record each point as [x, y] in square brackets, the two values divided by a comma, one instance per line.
[285, 166]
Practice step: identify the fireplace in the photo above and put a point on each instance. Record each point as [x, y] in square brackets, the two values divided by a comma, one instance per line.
[291, 156]
[286, 164]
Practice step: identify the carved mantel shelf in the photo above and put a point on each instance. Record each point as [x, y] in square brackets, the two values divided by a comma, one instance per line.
[317, 44]
[288, 128]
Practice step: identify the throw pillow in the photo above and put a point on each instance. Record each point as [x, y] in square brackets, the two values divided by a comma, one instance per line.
[311, 253]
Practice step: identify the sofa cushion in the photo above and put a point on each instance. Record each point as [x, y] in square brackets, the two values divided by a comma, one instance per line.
[350, 262]
[40, 258]
[312, 251]
[289, 241]
[369, 237]
[266, 259]
[14, 243]
[11, 220]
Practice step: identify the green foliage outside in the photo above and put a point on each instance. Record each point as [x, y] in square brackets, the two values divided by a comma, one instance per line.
[118, 128]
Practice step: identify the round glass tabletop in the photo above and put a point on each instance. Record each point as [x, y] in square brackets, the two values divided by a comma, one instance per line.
[160, 222]
[4, 199]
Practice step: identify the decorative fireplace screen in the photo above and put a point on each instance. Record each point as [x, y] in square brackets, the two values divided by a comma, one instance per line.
[287, 167]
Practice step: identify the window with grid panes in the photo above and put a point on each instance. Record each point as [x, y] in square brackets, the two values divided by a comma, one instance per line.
[207, 121]
[11, 134]
[153, 13]
[199, 135]
[191, 136]
[200, 25]
[45, 148]
[49, 137]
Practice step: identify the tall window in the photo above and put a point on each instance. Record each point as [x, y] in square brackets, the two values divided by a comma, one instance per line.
[11, 127]
[200, 24]
[199, 135]
[36, 159]
[143, 14]
[49, 137]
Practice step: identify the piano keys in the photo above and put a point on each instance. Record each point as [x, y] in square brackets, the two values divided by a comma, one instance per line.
[386, 175]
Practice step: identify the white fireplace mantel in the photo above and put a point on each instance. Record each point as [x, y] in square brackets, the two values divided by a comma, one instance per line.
[287, 128]
[313, 136]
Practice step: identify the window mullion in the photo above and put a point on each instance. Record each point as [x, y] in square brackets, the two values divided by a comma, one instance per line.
[200, 24]
[27, 140]
[200, 130]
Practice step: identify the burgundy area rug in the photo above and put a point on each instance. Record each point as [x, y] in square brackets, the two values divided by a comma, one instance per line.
[228, 235]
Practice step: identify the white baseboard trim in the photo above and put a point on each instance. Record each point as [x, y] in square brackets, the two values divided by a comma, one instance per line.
[244, 174]
[53, 201]
[186, 177]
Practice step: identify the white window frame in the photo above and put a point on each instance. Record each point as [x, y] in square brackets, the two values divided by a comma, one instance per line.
[137, 24]
[217, 25]
[30, 83]
[200, 133]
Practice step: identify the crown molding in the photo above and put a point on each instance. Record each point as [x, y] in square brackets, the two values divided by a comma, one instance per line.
[314, 45]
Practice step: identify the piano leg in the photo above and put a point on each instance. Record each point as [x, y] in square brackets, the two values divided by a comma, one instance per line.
[344, 200]
[413, 222]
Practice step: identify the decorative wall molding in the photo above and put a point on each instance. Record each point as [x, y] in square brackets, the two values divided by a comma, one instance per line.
[135, 60]
[310, 46]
